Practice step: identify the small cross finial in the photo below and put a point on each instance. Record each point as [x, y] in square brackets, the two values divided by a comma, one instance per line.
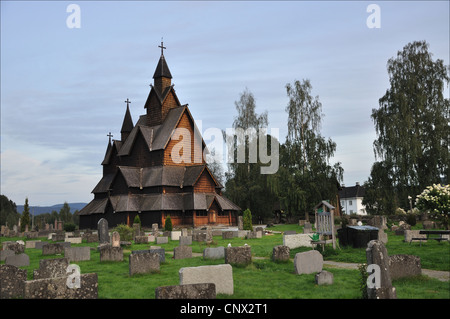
[109, 135]
[162, 47]
[128, 102]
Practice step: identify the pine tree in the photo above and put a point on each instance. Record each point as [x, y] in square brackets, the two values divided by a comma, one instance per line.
[25, 219]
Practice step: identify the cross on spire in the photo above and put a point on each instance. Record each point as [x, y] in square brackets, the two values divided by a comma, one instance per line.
[162, 47]
[128, 102]
[109, 135]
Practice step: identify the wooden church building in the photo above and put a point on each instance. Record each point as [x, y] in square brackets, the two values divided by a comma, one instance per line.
[141, 178]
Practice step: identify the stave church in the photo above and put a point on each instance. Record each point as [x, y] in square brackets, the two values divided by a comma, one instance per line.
[141, 175]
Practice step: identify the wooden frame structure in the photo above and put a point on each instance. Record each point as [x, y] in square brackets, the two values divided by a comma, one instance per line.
[324, 222]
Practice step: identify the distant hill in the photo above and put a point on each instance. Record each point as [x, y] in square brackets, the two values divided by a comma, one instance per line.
[37, 210]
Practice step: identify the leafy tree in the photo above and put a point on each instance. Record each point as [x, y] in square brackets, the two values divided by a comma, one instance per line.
[245, 185]
[65, 214]
[25, 219]
[8, 212]
[305, 176]
[380, 197]
[412, 121]
[247, 220]
[168, 224]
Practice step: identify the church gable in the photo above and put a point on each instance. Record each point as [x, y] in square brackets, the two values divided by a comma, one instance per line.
[183, 149]
[205, 183]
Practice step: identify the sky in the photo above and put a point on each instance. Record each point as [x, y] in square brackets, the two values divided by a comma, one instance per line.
[65, 75]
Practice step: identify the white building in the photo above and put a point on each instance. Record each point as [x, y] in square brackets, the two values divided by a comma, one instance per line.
[351, 200]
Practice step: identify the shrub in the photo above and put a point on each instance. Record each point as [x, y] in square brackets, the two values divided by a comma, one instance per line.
[168, 224]
[69, 227]
[247, 220]
[125, 232]
[436, 200]
[137, 220]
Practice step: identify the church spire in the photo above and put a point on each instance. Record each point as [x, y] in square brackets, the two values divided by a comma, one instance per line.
[127, 124]
[162, 76]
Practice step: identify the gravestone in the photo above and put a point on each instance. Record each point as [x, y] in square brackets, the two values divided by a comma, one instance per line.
[18, 260]
[428, 224]
[162, 240]
[182, 252]
[214, 253]
[151, 238]
[185, 240]
[161, 253]
[51, 268]
[57, 288]
[307, 229]
[240, 223]
[58, 236]
[115, 239]
[281, 253]
[77, 253]
[187, 291]
[324, 278]
[155, 230]
[6, 253]
[238, 255]
[143, 262]
[102, 229]
[137, 230]
[401, 266]
[376, 253]
[175, 235]
[90, 238]
[18, 248]
[209, 236]
[184, 232]
[227, 234]
[109, 253]
[410, 234]
[73, 240]
[31, 243]
[140, 239]
[297, 240]
[53, 249]
[12, 282]
[220, 275]
[290, 232]
[308, 262]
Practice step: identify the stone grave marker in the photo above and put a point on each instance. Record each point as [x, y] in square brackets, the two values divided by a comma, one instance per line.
[182, 252]
[57, 288]
[109, 253]
[5, 253]
[31, 243]
[220, 275]
[281, 253]
[155, 230]
[324, 278]
[51, 268]
[175, 235]
[115, 239]
[297, 240]
[185, 240]
[187, 291]
[401, 266]
[308, 262]
[18, 260]
[12, 282]
[162, 240]
[140, 239]
[160, 251]
[376, 253]
[214, 252]
[143, 262]
[103, 231]
[238, 255]
[53, 249]
[77, 253]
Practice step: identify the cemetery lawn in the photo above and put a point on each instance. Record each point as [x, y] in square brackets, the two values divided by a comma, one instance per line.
[263, 279]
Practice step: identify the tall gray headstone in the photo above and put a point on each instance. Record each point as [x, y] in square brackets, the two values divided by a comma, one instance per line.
[376, 253]
[102, 228]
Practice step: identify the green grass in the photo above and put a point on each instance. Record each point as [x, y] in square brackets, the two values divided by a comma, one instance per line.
[263, 278]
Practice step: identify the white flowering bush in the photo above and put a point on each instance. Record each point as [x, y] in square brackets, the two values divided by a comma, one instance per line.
[436, 200]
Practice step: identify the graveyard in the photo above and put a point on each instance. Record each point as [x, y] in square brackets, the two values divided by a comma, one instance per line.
[243, 266]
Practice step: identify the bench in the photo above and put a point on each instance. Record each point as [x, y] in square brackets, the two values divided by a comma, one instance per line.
[437, 235]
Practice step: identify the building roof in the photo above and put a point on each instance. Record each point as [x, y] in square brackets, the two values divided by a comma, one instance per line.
[162, 69]
[127, 124]
[158, 202]
[352, 192]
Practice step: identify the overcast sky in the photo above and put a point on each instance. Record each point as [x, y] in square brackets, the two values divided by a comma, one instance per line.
[63, 89]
